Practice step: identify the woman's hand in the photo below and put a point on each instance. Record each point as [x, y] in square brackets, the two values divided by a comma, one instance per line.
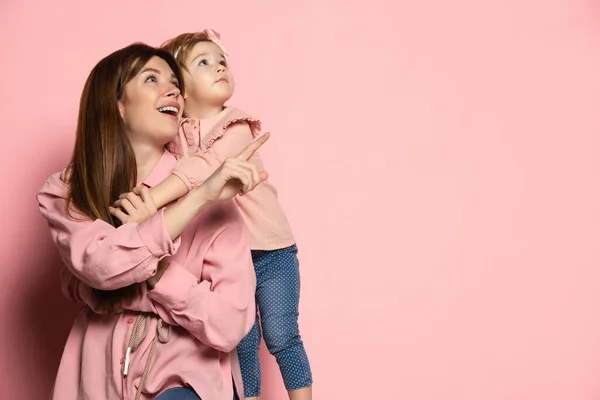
[235, 176]
[135, 206]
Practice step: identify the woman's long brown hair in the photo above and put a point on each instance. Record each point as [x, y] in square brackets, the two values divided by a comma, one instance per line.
[103, 164]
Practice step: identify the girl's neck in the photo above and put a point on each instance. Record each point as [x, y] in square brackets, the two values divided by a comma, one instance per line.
[203, 111]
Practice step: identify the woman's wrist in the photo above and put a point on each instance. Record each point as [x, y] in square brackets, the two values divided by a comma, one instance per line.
[153, 280]
[160, 270]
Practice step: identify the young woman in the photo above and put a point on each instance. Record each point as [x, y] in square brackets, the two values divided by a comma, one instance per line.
[169, 293]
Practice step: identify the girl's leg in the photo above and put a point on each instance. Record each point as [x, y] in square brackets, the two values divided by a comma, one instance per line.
[301, 394]
[248, 355]
[278, 298]
[178, 393]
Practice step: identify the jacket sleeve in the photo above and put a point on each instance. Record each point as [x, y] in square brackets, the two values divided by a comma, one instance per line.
[193, 170]
[218, 308]
[97, 253]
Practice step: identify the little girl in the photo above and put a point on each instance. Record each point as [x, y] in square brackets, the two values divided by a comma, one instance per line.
[209, 133]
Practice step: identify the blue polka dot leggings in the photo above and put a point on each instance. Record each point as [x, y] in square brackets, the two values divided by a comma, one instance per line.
[277, 298]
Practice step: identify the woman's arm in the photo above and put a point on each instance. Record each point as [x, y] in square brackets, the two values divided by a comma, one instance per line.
[218, 308]
[97, 253]
[108, 258]
[131, 297]
[135, 300]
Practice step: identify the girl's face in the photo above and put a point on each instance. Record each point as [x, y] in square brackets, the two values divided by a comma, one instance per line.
[208, 79]
[152, 104]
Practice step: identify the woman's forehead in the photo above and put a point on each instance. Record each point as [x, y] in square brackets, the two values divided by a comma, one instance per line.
[158, 65]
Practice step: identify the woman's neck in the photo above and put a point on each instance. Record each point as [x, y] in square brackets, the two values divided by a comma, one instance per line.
[146, 158]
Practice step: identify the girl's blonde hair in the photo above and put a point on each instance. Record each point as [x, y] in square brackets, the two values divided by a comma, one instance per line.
[181, 46]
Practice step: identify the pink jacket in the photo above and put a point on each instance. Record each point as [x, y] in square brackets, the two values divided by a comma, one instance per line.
[206, 295]
[209, 142]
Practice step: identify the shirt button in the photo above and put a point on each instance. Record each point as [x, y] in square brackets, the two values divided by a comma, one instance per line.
[130, 321]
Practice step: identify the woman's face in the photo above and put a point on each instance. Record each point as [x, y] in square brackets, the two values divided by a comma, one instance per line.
[152, 105]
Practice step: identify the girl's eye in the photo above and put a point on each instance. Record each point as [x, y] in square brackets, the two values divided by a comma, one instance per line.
[224, 63]
[176, 84]
[203, 62]
[151, 78]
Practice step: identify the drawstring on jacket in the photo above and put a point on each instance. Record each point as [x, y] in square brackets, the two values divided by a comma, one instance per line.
[138, 334]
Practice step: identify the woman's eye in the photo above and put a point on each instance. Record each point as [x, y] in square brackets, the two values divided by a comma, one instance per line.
[151, 78]
[176, 84]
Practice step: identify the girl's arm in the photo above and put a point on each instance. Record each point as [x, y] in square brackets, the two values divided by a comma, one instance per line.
[109, 258]
[195, 169]
[192, 171]
[171, 189]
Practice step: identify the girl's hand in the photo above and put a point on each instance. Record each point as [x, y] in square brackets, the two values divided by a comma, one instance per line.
[235, 176]
[135, 206]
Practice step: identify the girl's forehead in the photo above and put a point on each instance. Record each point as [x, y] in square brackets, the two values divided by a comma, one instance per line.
[205, 48]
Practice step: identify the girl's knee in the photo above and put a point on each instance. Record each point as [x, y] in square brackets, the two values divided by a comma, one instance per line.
[282, 340]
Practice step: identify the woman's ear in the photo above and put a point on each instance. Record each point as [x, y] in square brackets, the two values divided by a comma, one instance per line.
[122, 108]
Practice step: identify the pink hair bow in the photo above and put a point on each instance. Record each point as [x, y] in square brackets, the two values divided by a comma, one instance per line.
[214, 37]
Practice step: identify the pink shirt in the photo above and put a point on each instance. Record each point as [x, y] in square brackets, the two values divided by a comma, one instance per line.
[206, 293]
[209, 142]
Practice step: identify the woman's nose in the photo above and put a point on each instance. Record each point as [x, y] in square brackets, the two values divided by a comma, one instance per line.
[173, 92]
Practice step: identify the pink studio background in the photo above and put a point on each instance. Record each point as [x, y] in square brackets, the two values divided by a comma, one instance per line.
[438, 161]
